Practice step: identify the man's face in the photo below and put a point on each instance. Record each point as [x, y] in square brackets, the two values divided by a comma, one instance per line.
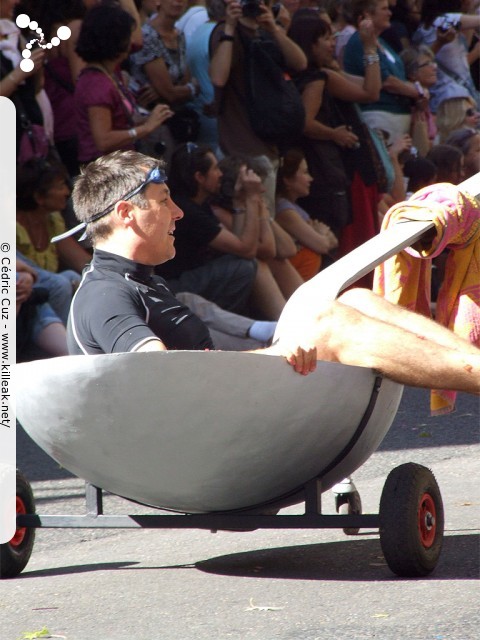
[155, 224]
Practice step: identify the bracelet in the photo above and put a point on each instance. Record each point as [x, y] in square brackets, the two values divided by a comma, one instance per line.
[237, 211]
[370, 58]
[132, 133]
[420, 89]
[191, 86]
[224, 37]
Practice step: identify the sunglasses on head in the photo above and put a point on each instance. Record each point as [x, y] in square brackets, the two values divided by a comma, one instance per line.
[155, 175]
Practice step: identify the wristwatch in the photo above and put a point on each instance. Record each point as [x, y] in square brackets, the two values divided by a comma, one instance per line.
[224, 37]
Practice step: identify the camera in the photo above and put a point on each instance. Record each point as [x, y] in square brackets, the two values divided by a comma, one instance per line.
[251, 8]
[444, 23]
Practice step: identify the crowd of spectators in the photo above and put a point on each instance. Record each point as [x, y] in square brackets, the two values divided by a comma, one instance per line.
[390, 93]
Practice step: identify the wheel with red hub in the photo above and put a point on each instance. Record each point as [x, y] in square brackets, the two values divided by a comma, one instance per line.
[411, 520]
[14, 555]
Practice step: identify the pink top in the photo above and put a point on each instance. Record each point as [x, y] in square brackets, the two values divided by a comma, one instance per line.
[94, 89]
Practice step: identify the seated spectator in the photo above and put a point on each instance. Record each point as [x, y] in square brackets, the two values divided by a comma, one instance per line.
[276, 279]
[421, 69]
[420, 173]
[449, 161]
[313, 238]
[42, 193]
[392, 111]
[210, 260]
[107, 113]
[456, 113]
[37, 324]
[468, 141]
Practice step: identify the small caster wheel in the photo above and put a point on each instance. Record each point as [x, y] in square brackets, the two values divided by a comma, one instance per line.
[411, 521]
[15, 554]
[349, 504]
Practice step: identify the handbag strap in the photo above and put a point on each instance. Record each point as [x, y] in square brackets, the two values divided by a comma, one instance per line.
[120, 90]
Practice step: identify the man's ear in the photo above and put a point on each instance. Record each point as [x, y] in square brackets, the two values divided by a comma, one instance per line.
[124, 212]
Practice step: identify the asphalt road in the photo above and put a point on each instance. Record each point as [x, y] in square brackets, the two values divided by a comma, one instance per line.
[261, 585]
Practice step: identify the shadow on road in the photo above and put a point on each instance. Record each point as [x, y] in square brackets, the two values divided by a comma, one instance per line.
[348, 560]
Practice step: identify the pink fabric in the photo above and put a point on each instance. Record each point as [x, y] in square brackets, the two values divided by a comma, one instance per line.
[405, 280]
[96, 89]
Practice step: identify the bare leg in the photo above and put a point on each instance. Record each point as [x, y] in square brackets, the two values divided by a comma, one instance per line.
[53, 339]
[266, 295]
[349, 336]
[378, 308]
[286, 275]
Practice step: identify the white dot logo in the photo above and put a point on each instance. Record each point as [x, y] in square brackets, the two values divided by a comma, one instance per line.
[23, 22]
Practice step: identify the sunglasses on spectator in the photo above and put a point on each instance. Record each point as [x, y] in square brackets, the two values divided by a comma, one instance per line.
[155, 175]
[470, 112]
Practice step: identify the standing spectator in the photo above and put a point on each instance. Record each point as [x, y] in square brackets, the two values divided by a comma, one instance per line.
[392, 111]
[198, 60]
[421, 68]
[228, 74]
[162, 64]
[107, 114]
[344, 191]
[195, 15]
[442, 29]
[20, 86]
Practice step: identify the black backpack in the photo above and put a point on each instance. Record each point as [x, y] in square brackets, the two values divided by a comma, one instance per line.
[274, 105]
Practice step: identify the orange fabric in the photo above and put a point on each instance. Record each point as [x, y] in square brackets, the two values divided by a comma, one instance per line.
[306, 262]
[405, 280]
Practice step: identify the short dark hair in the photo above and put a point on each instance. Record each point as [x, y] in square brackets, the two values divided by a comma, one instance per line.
[186, 160]
[446, 158]
[462, 138]
[104, 181]
[36, 177]
[105, 33]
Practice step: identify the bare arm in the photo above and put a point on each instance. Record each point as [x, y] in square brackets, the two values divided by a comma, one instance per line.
[222, 58]
[130, 7]
[108, 139]
[303, 232]
[9, 84]
[161, 81]
[312, 98]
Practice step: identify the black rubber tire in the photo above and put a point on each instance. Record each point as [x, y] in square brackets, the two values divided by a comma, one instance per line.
[349, 504]
[411, 541]
[14, 555]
